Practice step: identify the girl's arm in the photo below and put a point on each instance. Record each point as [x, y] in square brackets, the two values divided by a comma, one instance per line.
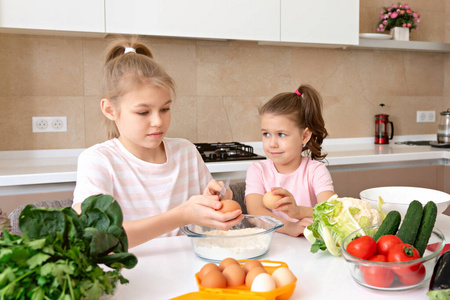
[324, 196]
[255, 206]
[200, 210]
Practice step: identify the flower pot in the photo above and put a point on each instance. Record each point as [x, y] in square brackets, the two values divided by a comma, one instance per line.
[400, 33]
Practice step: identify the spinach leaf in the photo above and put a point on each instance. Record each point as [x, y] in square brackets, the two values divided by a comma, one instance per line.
[59, 253]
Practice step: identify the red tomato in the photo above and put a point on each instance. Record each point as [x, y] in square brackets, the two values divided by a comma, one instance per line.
[362, 247]
[386, 242]
[404, 253]
[413, 278]
[378, 276]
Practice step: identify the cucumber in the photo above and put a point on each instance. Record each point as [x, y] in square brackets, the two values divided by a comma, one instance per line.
[426, 226]
[389, 225]
[411, 223]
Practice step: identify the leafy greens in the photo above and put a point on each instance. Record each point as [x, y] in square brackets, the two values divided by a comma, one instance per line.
[336, 218]
[59, 254]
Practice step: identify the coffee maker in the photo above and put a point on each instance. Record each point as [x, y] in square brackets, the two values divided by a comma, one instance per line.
[381, 128]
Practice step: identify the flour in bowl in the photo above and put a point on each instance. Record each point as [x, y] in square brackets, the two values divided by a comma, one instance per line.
[232, 243]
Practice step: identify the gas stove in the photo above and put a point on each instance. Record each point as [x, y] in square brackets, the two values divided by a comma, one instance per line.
[213, 152]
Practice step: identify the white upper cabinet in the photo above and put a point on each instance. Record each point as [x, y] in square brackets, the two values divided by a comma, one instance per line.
[320, 21]
[54, 15]
[221, 19]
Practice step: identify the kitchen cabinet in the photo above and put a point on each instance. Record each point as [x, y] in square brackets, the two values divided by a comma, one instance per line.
[44, 16]
[320, 21]
[210, 19]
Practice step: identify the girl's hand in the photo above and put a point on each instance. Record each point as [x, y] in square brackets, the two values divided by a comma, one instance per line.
[296, 228]
[201, 210]
[287, 204]
[213, 189]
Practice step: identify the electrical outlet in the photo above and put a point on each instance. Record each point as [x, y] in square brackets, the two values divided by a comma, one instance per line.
[428, 116]
[49, 124]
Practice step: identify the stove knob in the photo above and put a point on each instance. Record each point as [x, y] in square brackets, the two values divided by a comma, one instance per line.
[223, 155]
[212, 155]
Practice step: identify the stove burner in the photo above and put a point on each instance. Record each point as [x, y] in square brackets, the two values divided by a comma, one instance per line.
[211, 152]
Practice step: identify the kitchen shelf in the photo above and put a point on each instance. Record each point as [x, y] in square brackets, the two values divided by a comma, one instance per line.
[369, 44]
[402, 46]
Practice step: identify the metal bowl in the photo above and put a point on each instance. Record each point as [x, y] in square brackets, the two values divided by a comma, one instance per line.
[249, 239]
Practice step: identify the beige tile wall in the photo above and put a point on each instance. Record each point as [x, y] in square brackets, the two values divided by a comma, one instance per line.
[221, 84]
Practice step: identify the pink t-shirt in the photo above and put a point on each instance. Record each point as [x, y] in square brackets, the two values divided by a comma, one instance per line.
[141, 188]
[311, 178]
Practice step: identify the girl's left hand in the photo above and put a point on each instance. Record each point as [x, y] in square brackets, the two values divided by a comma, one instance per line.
[287, 204]
[213, 189]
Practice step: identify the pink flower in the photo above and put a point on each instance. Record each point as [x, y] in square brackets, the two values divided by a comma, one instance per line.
[409, 11]
[402, 12]
[394, 15]
[382, 30]
[378, 29]
[381, 26]
[404, 25]
[414, 15]
[394, 6]
[409, 25]
[384, 22]
[418, 20]
[407, 6]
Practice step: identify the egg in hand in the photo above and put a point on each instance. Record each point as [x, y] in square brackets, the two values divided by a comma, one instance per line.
[270, 198]
[228, 206]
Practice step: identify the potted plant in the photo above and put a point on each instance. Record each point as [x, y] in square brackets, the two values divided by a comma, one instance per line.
[400, 19]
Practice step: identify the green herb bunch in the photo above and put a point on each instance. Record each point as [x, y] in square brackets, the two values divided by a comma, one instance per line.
[60, 252]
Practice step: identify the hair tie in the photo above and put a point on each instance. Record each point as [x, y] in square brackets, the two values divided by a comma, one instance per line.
[298, 93]
[129, 49]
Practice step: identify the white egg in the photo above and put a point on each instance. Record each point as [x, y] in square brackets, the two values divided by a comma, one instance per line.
[283, 276]
[263, 282]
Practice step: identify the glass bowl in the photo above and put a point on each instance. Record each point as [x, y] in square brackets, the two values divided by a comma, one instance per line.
[251, 238]
[376, 272]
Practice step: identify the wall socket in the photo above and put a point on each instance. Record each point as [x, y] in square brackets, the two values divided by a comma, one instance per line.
[49, 124]
[426, 116]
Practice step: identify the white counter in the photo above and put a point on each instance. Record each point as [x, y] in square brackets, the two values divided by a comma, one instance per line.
[166, 269]
[55, 170]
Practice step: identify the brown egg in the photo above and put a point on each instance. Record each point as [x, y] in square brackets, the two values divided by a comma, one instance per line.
[269, 199]
[214, 279]
[252, 263]
[227, 261]
[252, 274]
[234, 274]
[206, 269]
[229, 205]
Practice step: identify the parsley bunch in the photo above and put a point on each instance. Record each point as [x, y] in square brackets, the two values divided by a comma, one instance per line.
[60, 252]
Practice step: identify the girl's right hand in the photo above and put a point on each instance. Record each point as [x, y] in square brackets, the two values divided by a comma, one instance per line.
[202, 210]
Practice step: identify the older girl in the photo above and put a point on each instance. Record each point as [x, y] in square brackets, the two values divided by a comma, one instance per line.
[160, 183]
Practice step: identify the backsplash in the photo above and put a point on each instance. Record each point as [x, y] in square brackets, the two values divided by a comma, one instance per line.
[220, 84]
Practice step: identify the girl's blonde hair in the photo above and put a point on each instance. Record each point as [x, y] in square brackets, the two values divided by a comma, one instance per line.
[304, 107]
[124, 72]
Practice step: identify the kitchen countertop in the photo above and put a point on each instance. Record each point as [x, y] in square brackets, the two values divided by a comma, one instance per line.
[35, 170]
[166, 269]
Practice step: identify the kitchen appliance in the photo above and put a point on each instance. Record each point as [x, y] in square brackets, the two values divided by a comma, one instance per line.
[381, 129]
[443, 133]
[232, 151]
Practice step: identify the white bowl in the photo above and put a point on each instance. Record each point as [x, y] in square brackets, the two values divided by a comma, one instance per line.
[399, 197]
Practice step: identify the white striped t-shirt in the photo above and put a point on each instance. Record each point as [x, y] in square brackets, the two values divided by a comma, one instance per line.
[141, 188]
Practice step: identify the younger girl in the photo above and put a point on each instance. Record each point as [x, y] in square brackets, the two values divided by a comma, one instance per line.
[160, 183]
[291, 124]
